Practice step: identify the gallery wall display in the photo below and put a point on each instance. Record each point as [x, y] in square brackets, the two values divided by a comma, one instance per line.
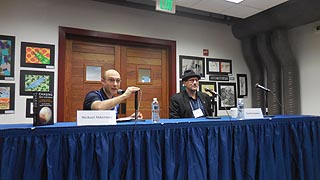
[191, 62]
[227, 98]
[218, 66]
[37, 55]
[242, 85]
[7, 54]
[36, 81]
[7, 91]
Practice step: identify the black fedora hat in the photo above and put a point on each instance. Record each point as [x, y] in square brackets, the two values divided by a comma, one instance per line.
[189, 74]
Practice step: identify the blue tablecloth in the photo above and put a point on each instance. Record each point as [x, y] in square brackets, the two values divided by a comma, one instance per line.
[281, 147]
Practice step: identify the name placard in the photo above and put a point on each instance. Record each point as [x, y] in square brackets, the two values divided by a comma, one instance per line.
[253, 113]
[96, 117]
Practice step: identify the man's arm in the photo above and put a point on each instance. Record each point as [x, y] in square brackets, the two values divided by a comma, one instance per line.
[174, 110]
[110, 103]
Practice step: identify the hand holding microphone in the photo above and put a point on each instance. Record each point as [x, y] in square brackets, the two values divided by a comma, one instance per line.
[128, 91]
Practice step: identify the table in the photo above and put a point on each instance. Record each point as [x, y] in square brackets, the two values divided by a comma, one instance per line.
[280, 147]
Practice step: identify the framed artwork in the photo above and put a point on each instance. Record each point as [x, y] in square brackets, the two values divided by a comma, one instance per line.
[37, 55]
[225, 66]
[213, 66]
[35, 81]
[218, 66]
[213, 87]
[7, 47]
[227, 95]
[7, 91]
[210, 85]
[242, 85]
[191, 62]
[29, 108]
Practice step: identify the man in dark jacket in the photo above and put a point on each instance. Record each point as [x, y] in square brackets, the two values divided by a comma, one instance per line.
[190, 103]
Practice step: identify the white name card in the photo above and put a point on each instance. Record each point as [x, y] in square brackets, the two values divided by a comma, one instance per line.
[96, 117]
[253, 113]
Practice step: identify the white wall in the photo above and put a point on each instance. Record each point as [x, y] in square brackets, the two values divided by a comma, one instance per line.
[38, 21]
[305, 43]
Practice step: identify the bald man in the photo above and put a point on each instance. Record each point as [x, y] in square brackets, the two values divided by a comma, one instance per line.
[104, 99]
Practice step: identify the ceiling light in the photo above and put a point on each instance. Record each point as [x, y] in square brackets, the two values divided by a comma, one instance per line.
[235, 1]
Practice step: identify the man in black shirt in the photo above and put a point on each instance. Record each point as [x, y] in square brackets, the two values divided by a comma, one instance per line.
[190, 103]
[104, 99]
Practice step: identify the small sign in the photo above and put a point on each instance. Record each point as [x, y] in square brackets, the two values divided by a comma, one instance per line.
[253, 113]
[96, 117]
[168, 6]
[219, 78]
[205, 52]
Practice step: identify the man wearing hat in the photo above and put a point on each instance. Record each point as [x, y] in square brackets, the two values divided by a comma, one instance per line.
[190, 103]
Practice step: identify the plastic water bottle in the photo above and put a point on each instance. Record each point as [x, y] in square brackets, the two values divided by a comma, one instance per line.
[155, 111]
[240, 107]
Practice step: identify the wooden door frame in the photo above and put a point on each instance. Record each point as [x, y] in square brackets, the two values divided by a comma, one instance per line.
[71, 33]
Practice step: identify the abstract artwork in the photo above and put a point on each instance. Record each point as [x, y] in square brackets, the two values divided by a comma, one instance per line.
[37, 55]
[35, 81]
[7, 47]
[7, 98]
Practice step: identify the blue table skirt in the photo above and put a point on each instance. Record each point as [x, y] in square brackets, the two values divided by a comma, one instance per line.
[282, 147]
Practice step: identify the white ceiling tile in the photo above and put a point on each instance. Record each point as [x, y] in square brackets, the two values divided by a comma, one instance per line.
[216, 6]
[241, 11]
[186, 3]
[262, 4]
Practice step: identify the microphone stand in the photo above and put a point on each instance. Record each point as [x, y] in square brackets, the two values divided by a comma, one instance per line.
[136, 105]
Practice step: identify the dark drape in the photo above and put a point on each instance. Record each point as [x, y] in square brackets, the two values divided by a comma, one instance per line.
[280, 148]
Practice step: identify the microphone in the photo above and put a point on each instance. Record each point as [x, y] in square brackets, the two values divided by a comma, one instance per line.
[210, 91]
[136, 106]
[261, 87]
[121, 91]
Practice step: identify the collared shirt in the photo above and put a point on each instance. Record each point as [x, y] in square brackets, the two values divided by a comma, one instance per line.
[196, 104]
[98, 95]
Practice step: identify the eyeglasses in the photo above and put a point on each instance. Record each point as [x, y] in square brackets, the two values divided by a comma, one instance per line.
[193, 80]
[112, 80]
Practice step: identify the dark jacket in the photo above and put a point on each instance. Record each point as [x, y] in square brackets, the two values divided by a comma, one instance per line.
[180, 106]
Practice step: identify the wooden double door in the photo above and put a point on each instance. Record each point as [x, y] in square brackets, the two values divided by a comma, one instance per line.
[144, 67]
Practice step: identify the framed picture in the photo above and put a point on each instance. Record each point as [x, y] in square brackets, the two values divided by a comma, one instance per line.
[29, 108]
[213, 66]
[227, 98]
[242, 85]
[7, 47]
[191, 62]
[225, 66]
[218, 66]
[7, 91]
[213, 87]
[37, 55]
[35, 81]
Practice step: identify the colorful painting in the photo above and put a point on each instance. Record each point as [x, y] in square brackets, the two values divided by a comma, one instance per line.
[35, 81]
[6, 98]
[7, 46]
[37, 55]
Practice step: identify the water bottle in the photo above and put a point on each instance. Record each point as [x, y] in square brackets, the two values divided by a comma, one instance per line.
[240, 107]
[155, 111]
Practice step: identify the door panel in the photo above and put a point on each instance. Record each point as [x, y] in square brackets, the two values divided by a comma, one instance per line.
[79, 55]
[154, 60]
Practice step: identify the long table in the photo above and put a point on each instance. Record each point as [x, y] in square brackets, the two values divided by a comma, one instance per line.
[280, 147]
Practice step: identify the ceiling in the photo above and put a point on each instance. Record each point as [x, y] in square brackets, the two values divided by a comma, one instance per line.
[244, 9]
[247, 18]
